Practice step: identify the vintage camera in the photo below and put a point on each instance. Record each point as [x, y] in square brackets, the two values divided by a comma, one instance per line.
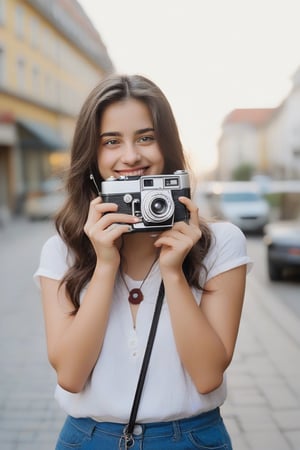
[152, 198]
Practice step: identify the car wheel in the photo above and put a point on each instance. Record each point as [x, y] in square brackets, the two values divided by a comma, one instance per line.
[260, 231]
[275, 272]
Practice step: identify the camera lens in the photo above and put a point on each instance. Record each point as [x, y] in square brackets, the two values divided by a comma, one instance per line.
[159, 206]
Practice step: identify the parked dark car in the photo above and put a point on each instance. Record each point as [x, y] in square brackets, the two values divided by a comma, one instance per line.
[282, 241]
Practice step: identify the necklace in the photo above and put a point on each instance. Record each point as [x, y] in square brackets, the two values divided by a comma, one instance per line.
[135, 296]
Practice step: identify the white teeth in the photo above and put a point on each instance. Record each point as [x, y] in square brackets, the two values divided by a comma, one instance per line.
[135, 173]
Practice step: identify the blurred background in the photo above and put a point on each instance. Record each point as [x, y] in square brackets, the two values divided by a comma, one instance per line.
[231, 71]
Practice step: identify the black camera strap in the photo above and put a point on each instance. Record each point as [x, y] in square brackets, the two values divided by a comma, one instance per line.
[127, 439]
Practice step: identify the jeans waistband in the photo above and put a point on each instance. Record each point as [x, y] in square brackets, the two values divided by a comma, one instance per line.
[152, 428]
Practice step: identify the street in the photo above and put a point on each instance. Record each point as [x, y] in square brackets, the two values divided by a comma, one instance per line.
[263, 407]
[287, 291]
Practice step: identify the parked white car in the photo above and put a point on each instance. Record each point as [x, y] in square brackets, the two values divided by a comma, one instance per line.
[47, 202]
[242, 204]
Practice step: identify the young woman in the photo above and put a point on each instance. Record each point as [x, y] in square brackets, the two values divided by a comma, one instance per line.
[100, 277]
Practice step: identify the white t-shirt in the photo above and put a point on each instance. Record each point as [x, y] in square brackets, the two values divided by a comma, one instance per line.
[169, 392]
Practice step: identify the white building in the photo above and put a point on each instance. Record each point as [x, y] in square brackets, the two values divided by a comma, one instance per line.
[266, 139]
[243, 141]
[283, 136]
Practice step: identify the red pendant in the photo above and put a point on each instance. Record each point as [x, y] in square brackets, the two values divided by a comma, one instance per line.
[135, 296]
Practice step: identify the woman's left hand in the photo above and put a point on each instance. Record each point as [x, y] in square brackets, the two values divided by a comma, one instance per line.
[176, 243]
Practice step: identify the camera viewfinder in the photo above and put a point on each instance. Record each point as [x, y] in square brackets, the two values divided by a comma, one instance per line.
[148, 182]
[171, 182]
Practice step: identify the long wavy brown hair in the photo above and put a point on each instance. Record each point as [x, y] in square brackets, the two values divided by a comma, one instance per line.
[80, 190]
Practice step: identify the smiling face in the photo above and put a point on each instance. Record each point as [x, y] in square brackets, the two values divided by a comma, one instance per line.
[128, 145]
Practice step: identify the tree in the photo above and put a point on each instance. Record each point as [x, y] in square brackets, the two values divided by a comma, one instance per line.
[243, 172]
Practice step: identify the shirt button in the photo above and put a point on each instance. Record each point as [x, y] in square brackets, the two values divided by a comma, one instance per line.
[132, 343]
[138, 429]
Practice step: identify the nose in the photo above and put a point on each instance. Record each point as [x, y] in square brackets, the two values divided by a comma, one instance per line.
[130, 154]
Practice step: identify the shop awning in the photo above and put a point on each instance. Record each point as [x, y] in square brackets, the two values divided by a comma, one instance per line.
[35, 135]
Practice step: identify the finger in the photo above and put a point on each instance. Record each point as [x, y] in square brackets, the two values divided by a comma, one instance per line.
[116, 230]
[188, 203]
[96, 200]
[187, 234]
[177, 237]
[117, 218]
[192, 208]
[188, 228]
[96, 210]
[191, 230]
[106, 207]
[183, 227]
[108, 234]
[93, 214]
[170, 241]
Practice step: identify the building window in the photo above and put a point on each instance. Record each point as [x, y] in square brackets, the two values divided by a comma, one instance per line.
[50, 94]
[19, 24]
[21, 74]
[34, 33]
[2, 11]
[48, 43]
[2, 66]
[47, 86]
[36, 80]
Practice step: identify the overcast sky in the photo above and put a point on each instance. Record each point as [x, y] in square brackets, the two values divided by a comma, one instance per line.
[208, 56]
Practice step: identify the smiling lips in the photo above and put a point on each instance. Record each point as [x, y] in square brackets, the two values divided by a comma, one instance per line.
[132, 172]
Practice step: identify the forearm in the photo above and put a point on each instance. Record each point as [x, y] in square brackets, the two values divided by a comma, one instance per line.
[79, 346]
[200, 349]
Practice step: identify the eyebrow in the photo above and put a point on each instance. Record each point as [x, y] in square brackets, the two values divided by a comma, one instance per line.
[117, 133]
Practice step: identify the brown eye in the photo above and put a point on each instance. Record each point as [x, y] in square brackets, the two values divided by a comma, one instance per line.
[146, 139]
[110, 142]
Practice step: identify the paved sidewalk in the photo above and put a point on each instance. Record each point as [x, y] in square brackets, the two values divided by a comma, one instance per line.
[262, 411]
[29, 418]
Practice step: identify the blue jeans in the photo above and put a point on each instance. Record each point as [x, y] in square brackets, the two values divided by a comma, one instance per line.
[204, 432]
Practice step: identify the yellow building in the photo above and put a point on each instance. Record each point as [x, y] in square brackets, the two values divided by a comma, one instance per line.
[51, 56]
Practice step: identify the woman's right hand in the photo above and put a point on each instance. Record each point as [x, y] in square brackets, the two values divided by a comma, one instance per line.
[104, 230]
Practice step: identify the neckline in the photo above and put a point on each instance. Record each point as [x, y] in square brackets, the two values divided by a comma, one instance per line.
[133, 280]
